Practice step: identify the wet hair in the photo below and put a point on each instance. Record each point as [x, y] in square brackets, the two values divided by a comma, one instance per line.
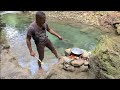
[40, 14]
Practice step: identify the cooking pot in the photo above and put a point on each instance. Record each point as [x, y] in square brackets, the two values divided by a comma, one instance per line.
[76, 51]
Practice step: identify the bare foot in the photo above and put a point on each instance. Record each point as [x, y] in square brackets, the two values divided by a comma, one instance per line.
[43, 73]
[59, 60]
[41, 70]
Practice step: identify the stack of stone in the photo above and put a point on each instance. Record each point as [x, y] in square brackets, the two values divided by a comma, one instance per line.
[76, 63]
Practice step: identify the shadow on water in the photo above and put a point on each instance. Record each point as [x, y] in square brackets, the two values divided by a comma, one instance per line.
[84, 37]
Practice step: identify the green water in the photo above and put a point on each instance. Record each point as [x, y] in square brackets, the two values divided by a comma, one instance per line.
[82, 36]
[85, 37]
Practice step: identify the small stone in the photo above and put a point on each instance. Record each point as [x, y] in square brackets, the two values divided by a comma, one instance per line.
[66, 65]
[118, 30]
[2, 25]
[77, 63]
[67, 52]
[86, 63]
[84, 68]
[69, 68]
[66, 59]
[6, 46]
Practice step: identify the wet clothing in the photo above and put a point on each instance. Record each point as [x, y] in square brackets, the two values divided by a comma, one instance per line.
[40, 38]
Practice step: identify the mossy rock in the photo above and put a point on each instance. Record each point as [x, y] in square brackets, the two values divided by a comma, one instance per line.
[107, 58]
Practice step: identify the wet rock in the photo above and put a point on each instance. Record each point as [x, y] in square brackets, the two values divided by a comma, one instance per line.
[2, 25]
[6, 46]
[10, 69]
